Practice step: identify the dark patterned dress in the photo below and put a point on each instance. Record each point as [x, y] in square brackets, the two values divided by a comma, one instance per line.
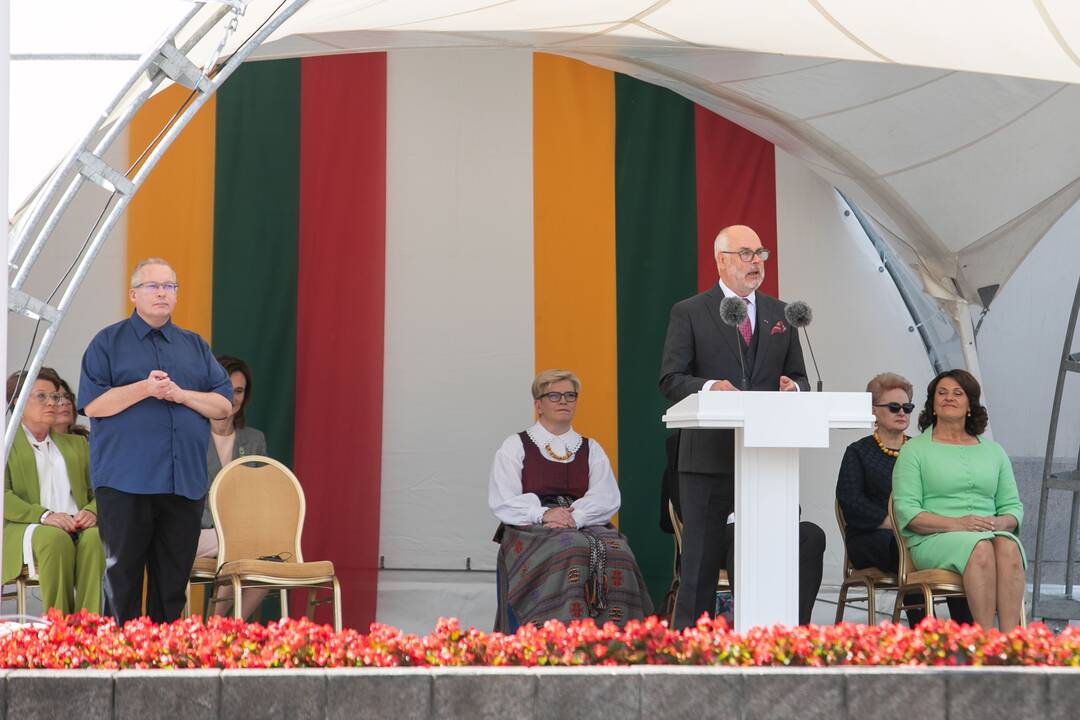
[565, 574]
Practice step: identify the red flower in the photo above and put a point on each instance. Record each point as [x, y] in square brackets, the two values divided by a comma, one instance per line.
[82, 640]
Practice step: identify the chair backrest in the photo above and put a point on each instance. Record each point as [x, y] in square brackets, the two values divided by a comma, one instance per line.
[848, 569]
[904, 566]
[258, 508]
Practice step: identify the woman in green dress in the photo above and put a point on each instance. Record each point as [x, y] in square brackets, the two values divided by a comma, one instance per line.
[957, 504]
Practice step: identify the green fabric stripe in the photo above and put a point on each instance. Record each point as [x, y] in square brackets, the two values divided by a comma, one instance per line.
[656, 265]
[256, 215]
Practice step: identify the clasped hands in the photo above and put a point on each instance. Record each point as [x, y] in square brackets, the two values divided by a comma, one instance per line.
[71, 523]
[786, 385]
[977, 523]
[559, 517]
[160, 386]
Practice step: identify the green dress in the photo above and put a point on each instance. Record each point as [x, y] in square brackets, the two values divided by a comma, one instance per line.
[953, 481]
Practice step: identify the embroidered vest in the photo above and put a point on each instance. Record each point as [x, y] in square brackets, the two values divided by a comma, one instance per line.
[546, 477]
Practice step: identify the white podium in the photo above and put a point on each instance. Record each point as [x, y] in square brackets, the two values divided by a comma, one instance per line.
[770, 427]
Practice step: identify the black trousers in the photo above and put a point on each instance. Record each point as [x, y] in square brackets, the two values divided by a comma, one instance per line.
[705, 502]
[811, 560]
[158, 533]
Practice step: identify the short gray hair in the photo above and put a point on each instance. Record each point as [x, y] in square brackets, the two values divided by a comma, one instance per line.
[549, 377]
[719, 242]
[149, 261]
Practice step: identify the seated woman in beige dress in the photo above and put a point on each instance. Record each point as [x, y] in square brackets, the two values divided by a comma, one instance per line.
[554, 493]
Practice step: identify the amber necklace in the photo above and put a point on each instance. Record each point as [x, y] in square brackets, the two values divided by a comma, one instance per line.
[554, 454]
[887, 450]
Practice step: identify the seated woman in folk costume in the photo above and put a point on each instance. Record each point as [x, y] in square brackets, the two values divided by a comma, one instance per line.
[554, 493]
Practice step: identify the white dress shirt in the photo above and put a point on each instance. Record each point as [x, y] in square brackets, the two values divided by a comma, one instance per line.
[751, 312]
[513, 507]
[54, 488]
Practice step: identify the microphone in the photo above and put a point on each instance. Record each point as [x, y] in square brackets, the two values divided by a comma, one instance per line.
[799, 315]
[733, 313]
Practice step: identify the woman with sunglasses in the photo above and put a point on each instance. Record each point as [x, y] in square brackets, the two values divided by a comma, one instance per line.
[554, 494]
[865, 482]
[957, 503]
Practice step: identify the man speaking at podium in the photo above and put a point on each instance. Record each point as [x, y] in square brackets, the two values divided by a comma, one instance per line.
[701, 352]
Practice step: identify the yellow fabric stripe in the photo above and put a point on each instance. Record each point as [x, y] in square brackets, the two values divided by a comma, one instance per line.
[173, 215]
[574, 235]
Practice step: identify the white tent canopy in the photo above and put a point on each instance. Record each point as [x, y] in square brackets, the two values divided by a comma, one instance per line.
[950, 124]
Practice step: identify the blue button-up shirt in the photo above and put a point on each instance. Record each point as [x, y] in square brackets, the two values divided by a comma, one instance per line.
[154, 446]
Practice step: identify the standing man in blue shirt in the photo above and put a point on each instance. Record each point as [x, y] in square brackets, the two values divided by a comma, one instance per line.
[149, 388]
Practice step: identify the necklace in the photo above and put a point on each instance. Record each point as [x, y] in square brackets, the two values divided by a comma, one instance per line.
[561, 458]
[554, 454]
[887, 450]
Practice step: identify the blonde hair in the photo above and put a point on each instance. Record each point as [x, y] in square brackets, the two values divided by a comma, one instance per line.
[883, 382]
[549, 377]
[146, 262]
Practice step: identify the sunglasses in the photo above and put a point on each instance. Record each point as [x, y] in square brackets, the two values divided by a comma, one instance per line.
[895, 407]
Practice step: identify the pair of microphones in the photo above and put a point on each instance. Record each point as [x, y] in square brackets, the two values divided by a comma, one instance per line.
[798, 314]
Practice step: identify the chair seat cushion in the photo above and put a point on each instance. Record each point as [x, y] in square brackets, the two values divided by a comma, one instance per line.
[871, 573]
[204, 566]
[285, 570]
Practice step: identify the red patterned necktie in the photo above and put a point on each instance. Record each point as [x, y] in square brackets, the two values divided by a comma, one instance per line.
[744, 327]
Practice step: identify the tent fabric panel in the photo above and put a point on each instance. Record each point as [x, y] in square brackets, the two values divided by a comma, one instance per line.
[656, 261]
[736, 185]
[172, 217]
[459, 345]
[339, 318]
[256, 208]
[574, 235]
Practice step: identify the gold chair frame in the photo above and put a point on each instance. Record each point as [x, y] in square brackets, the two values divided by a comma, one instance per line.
[871, 579]
[934, 585]
[234, 569]
[722, 583]
[21, 582]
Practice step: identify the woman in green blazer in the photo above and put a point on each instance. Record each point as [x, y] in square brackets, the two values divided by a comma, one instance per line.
[64, 544]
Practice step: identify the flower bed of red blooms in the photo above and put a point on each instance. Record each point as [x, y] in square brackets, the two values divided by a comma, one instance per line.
[84, 640]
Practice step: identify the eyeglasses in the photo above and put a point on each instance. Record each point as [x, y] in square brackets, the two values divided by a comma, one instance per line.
[895, 407]
[155, 287]
[66, 399]
[55, 398]
[746, 254]
[555, 397]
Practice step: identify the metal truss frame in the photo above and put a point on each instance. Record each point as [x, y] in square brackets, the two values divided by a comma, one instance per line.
[169, 59]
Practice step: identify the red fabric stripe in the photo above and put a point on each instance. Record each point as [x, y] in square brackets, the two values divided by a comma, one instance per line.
[736, 185]
[339, 324]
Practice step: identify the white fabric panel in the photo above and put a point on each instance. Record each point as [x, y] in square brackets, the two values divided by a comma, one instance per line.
[100, 300]
[414, 601]
[793, 24]
[985, 35]
[459, 306]
[832, 88]
[972, 192]
[1020, 344]
[860, 322]
[888, 136]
